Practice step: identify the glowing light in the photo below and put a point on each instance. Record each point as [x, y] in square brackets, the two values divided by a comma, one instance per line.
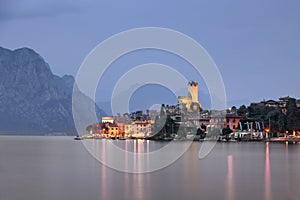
[267, 174]
[230, 183]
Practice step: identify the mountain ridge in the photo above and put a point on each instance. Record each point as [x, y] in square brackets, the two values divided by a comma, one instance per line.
[33, 100]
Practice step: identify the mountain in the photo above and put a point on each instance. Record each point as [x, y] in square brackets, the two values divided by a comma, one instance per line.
[32, 99]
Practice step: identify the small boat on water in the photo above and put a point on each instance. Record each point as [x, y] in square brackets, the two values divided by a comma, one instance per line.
[78, 138]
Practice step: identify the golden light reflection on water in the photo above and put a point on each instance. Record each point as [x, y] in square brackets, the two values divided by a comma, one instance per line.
[138, 179]
[148, 158]
[104, 175]
[127, 191]
[134, 151]
[140, 151]
[230, 182]
[268, 195]
[286, 168]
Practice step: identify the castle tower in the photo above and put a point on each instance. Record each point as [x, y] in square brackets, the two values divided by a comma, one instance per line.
[193, 91]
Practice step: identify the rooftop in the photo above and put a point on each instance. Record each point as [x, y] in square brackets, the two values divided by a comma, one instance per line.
[112, 125]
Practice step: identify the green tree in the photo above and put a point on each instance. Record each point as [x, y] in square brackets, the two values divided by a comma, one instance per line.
[226, 132]
[203, 127]
[282, 122]
[292, 115]
[201, 133]
[169, 126]
[89, 128]
[242, 111]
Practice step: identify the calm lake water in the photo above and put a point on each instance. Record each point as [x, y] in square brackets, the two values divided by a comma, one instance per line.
[42, 168]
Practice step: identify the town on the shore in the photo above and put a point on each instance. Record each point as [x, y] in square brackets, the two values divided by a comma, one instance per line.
[269, 120]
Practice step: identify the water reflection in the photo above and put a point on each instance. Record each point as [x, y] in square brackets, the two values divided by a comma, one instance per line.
[286, 168]
[268, 195]
[139, 152]
[127, 191]
[104, 174]
[230, 183]
[148, 158]
[233, 181]
[134, 157]
[67, 171]
[140, 189]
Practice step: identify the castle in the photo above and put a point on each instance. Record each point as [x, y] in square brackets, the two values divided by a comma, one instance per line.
[191, 101]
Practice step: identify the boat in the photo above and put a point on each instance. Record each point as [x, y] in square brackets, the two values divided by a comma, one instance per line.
[78, 138]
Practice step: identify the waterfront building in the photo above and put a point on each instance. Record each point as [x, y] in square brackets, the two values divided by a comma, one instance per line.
[113, 129]
[143, 127]
[128, 129]
[125, 127]
[108, 119]
[232, 121]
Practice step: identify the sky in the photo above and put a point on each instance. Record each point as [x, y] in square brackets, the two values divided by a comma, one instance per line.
[255, 44]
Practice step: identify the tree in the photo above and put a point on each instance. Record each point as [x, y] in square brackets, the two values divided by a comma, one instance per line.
[162, 110]
[226, 132]
[201, 133]
[159, 125]
[89, 128]
[126, 116]
[233, 108]
[203, 127]
[282, 122]
[242, 111]
[169, 126]
[292, 115]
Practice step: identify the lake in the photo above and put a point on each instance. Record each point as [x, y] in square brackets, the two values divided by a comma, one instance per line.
[36, 168]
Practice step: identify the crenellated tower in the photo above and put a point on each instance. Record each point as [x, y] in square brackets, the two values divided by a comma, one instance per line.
[193, 91]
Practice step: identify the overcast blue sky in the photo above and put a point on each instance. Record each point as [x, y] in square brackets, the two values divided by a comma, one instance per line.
[255, 44]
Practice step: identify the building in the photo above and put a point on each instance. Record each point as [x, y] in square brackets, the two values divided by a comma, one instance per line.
[298, 103]
[232, 121]
[142, 127]
[220, 119]
[191, 101]
[108, 119]
[128, 128]
[98, 128]
[193, 91]
[113, 129]
[271, 103]
[125, 128]
[282, 103]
